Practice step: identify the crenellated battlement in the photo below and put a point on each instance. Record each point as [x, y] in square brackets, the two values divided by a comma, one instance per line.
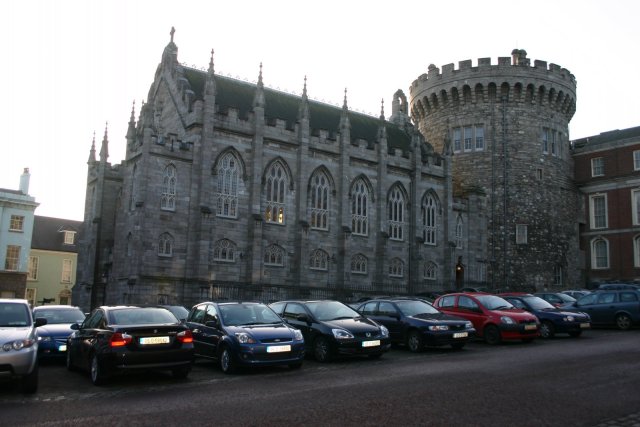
[512, 78]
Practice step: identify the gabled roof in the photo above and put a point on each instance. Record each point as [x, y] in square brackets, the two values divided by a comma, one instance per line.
[48, 234]
[237, 94]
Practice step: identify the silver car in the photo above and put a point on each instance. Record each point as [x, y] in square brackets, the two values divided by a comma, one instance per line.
[19, 343]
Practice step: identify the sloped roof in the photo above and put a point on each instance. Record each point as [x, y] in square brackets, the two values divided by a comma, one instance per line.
[606, 137]
[48, 234]
[237, 94]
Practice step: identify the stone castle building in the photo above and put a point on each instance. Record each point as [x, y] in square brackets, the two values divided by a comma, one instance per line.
[234, 190]
[509, 127]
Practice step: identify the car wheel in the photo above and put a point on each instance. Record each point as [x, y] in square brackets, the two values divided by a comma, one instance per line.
[492, 335]
[97, 376]
[227, 364]
[181, 372]
[575, 334]
[415, 343]
[623, 321]
[322, 349]
[458, 345]
[547, 330]
[29, 382]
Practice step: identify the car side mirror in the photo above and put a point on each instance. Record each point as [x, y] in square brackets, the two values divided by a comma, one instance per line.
[40, 321]
[302, 318]
[215, 323]
[75, 326]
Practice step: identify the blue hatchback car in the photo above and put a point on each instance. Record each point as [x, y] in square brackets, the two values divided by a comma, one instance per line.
[552, 320]
[52, 338]
[240, 334]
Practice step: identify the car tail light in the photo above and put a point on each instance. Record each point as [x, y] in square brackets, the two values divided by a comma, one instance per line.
[119, 339]
[185, 337]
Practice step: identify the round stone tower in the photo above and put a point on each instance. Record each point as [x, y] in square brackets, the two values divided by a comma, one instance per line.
[506, 125]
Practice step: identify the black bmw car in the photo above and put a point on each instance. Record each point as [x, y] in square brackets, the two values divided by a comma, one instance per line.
[118, 339]
[331, 328]
[418, 324]
[244, 334]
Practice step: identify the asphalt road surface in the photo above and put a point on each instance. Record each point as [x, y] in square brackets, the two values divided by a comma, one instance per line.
[590, 381]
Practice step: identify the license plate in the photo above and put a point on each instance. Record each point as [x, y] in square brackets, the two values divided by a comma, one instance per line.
[461, 335]
[278, 348]
[371, 343]
[585, 325]
[154, 340]
[62, 347]
[530, 327]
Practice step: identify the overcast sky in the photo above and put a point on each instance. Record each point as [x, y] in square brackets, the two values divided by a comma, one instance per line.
[71, 66]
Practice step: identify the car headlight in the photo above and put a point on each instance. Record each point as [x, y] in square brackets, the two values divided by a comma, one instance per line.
[341, 334]
[45, 339]
[245, 338]
[384, 331]
[297, 335]
[568, 318]
[438, 328]
[508, 320]
[468, 325]
[18, 344]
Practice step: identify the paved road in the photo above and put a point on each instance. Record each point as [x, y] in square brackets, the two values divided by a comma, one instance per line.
[588, 381]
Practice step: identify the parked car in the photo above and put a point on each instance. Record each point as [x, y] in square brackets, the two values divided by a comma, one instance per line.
[240, 334]
[114, 340]
[19, 343]
[556, 298]
[52, 338]
[553, 320]
[418, 324]
[576, 293]
[331, 328]
[494, 318]
[620, 308]
[618, 287]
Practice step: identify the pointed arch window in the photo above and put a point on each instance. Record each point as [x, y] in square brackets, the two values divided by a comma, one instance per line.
[319, 201]
[319, 260]
[459, 232]
[395, 208]
[224, 250]
[430, 271]
[274, 256]
[228, 173]
[360, 209]
[396, 268]
[359, 264]
[275, 189]
[165, 245]
[429, 219]
[168, 198]
[599, 253]
[134, 189]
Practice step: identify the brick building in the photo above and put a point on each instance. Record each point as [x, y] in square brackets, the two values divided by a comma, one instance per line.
[607, 171]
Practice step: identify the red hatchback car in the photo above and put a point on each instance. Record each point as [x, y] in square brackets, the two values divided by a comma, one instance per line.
[494, 318]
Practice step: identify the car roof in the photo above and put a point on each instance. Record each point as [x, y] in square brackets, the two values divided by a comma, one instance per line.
[515, 294]
[54, 307]
[15, 300]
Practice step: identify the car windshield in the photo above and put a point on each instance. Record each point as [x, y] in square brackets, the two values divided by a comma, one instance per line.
[492, 302]
[566, 298]
[141, 316]
[14, 315]
[60, 315]
[537, 303]
[179, 311]
[411, 308]
[331, 310]
[247, 314]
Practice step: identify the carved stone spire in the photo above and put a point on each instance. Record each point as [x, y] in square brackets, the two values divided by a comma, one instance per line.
[92, 152]
[303, 110]
[131, 131]
[344, 117]
[258, 99]
[104, 149]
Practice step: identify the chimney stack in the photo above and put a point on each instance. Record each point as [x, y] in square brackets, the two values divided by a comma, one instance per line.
[24, 181]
